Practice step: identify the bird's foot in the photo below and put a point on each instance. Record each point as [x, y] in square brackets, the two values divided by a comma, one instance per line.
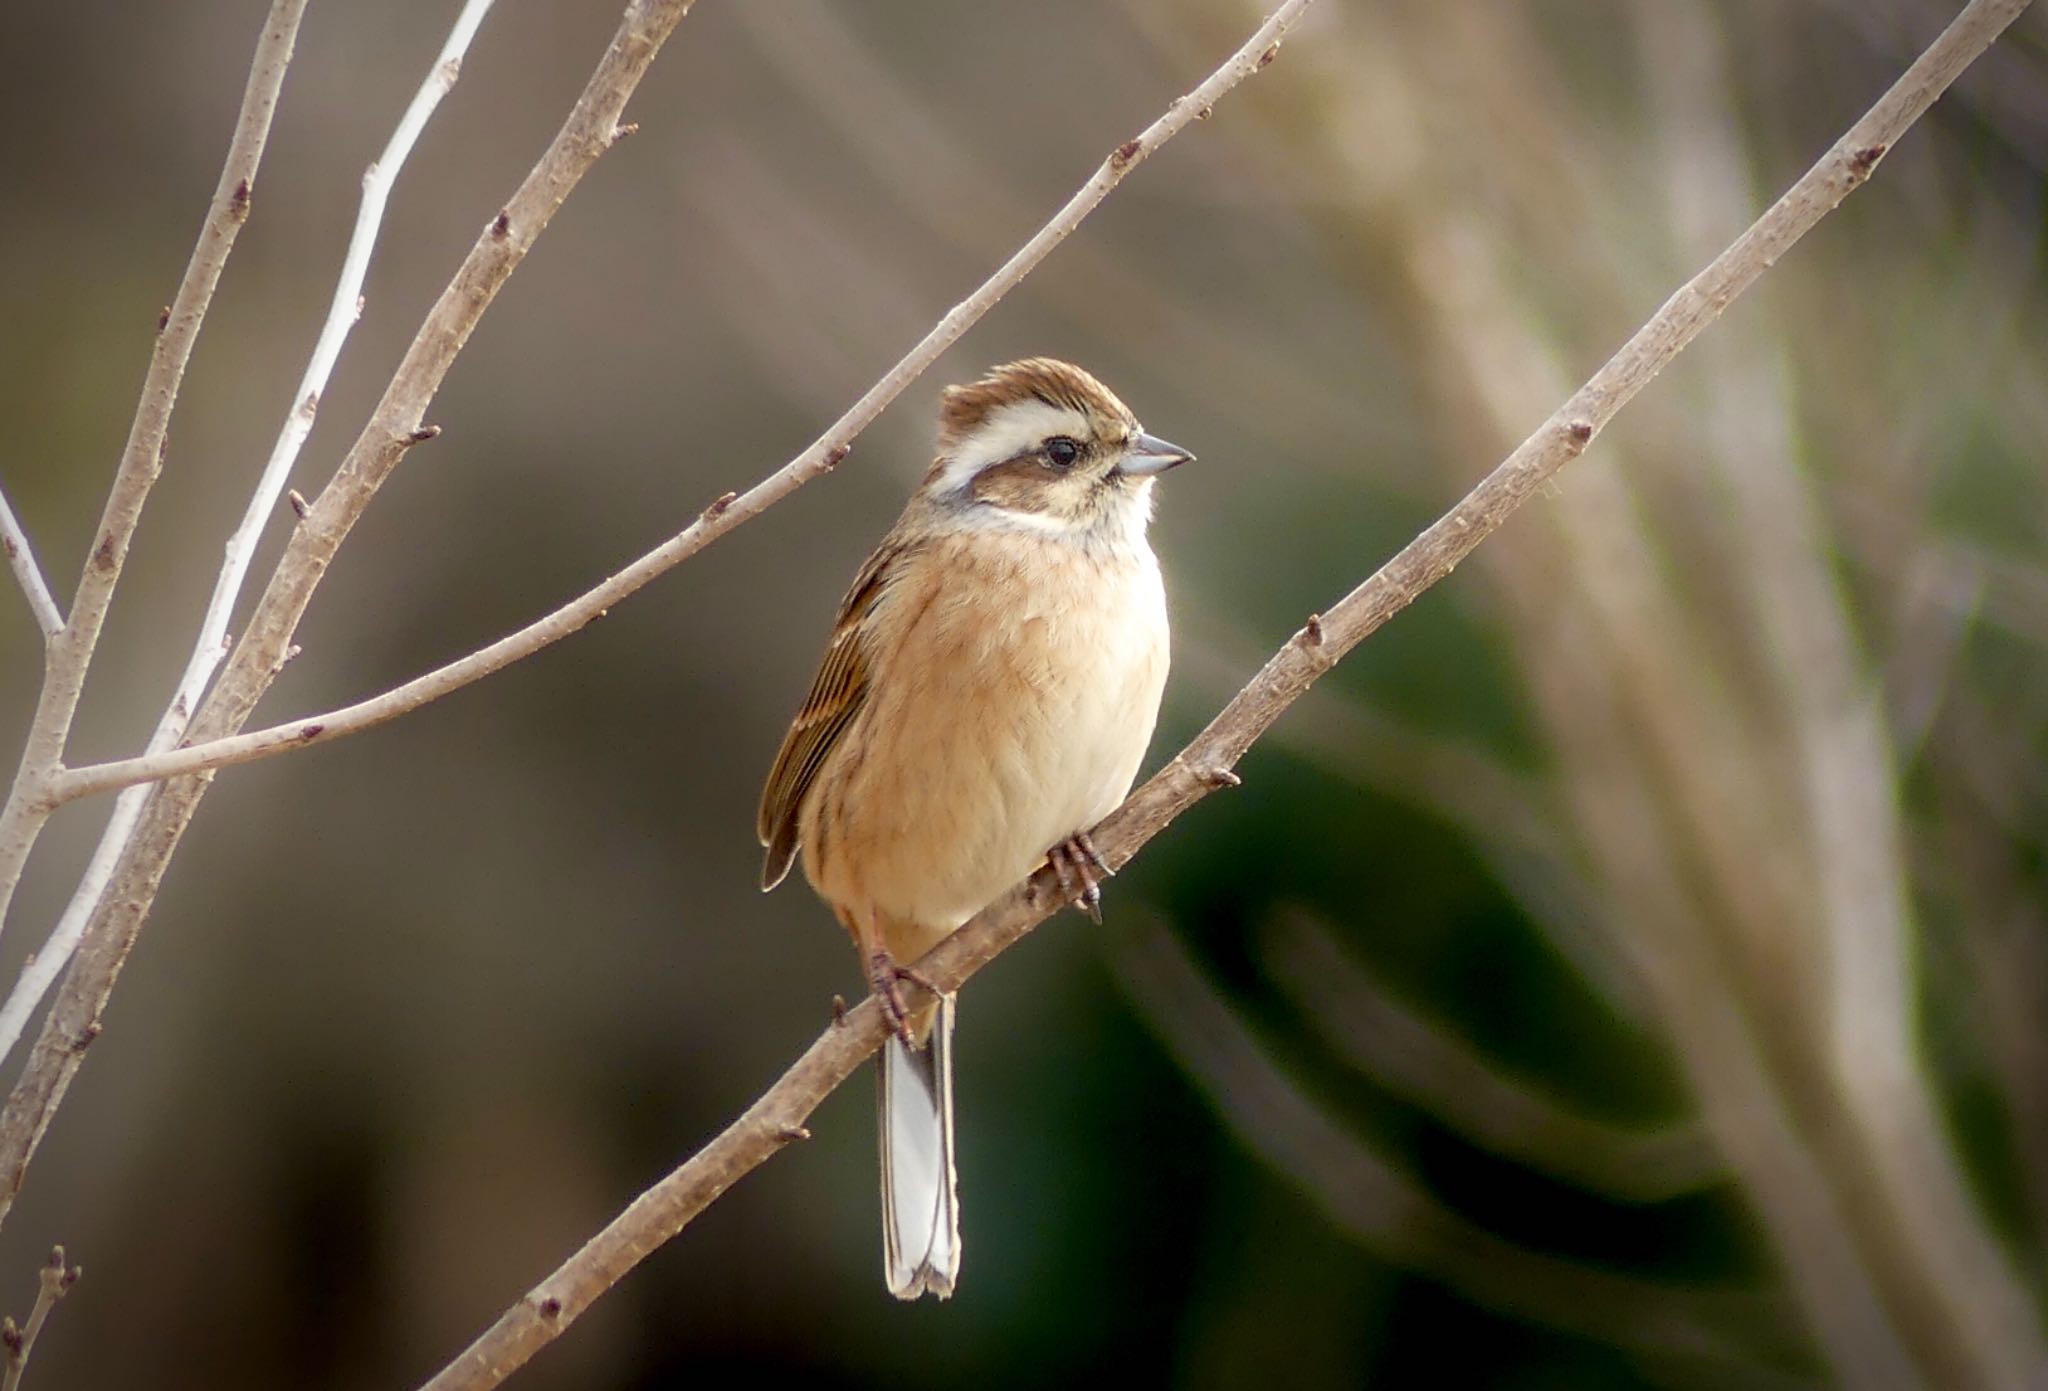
[1080, 868]
[885, 977]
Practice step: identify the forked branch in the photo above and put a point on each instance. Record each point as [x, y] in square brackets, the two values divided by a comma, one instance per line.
[19, 1340]
[211, 643]
[28, 804]
[1206, 763]
[729, 511]
[590, 129]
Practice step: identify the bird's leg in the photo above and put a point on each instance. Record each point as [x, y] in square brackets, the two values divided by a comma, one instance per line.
[884, 977]
[1080, 868]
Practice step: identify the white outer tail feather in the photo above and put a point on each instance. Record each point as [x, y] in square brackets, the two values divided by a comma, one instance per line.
[920, 1189]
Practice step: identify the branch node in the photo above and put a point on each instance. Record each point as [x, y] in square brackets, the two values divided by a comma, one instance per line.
[717, 506]
[10, 1337]
[163, 319]
[1120, 158]
[789, 1133]
[1266, 58]
[1204, 113]
[1314, 630]
[838, 1011]
[298, 502]
[501, 225]
[310, 732]
[1217, 776]
[1579, 432]
[550, 1307]
[86, 1037]
[835, 456]
[621, 132]
[103, 558]
[421, 435]
[238, 205]
[1865, 160]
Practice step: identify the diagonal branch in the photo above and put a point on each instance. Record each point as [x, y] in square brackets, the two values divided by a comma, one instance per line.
[22, 561]
[1205, 764]
[823, 455]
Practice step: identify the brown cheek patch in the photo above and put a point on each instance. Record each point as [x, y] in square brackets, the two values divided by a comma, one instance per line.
[1019, 485]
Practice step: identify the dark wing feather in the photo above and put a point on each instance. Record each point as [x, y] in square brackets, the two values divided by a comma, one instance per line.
[836, 696]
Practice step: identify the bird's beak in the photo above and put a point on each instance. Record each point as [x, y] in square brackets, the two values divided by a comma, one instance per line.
[1148, 454]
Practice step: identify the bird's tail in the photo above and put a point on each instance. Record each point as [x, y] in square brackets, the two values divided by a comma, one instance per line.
[920, 1198]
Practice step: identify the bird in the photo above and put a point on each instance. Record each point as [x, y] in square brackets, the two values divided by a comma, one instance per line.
[987, 695]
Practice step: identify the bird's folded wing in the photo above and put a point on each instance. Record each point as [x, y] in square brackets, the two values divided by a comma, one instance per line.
[836, 695]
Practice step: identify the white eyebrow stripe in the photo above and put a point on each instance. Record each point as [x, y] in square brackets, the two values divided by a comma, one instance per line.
[1010, 430]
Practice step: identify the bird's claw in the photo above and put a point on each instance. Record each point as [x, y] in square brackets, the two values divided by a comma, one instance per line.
[884, 977]
[1080, 868]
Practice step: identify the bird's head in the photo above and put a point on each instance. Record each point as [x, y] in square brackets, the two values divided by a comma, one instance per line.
[1040, 445]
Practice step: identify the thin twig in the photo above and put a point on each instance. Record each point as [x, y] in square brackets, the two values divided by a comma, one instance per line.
[591, 128]
[70, 651]
[22, 561]
[1205, 764]
[211, 645]
[55, 1281]
[824, 454]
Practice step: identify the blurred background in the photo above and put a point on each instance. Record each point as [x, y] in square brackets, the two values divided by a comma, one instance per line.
[1626, 970]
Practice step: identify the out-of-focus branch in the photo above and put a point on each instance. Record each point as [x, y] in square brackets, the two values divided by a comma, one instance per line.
[1383, 1208]
[1512, 818]
[54, 1282]
[70, 649]
[1416, 1058]
[211, 644]
[722, 515]
[22, 561]
[1205, 765]
[1951, 1283]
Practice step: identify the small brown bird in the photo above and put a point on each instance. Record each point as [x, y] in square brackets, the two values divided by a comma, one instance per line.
[991, 684]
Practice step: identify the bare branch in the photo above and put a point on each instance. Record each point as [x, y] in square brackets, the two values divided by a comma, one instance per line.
[394, 427]
[342, 313]
[824, 454]
[55, 1282]
[28, 805]
[1205, 764]
[212, 642]
[22, 561]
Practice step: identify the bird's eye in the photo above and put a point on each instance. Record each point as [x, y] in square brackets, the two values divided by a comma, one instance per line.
[1062, 451]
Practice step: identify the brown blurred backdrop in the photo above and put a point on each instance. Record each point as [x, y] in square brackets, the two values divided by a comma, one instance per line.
[1399, 1065]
